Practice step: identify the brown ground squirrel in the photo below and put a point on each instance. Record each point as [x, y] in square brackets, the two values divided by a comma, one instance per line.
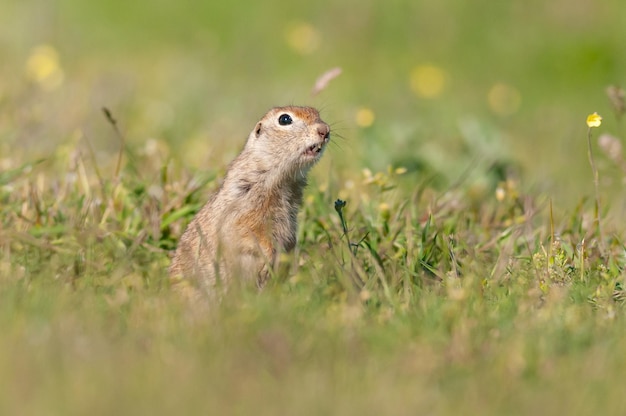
[253, 216]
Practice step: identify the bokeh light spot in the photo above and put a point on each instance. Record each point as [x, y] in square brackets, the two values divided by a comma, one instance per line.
[504, 99]
[427, 81]
[43, 67]
[303, 38]
[364, 117]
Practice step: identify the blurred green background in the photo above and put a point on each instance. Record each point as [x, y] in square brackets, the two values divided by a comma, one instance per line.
[482, 91]
[437, 86]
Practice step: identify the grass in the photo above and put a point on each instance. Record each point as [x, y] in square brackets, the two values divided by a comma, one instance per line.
[469, 277]
[440, 307]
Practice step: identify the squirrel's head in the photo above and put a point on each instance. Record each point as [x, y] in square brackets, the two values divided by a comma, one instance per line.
[290, 138]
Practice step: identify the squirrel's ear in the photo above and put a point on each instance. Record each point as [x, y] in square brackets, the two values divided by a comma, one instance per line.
[257, 129]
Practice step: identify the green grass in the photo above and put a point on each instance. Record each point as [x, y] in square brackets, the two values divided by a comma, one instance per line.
[473, 281]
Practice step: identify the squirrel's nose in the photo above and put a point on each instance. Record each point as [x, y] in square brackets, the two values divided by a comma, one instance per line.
[324, 131]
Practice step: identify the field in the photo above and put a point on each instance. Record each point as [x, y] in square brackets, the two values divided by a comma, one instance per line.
[477, 266]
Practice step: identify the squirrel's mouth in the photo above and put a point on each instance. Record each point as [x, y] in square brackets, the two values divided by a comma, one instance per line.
[315, 150]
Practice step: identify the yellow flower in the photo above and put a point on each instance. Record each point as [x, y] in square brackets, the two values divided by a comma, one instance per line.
[427, 81]
[364, 117]
[594, 120]
[303, 38]
[44, 68]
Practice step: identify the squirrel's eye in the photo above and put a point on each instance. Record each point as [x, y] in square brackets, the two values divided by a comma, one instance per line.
[285, 120]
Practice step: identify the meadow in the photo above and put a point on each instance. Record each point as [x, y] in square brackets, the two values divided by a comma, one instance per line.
[477, 266]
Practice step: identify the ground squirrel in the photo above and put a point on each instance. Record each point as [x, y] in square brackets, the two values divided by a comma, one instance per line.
[253, 216]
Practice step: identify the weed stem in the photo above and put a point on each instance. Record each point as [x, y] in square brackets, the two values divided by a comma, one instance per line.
[596, 190]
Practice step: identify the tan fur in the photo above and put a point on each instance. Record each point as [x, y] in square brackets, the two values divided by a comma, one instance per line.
[253, 217]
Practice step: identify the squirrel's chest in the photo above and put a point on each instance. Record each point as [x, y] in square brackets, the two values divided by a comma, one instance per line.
[284, 228]
[272, 222]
